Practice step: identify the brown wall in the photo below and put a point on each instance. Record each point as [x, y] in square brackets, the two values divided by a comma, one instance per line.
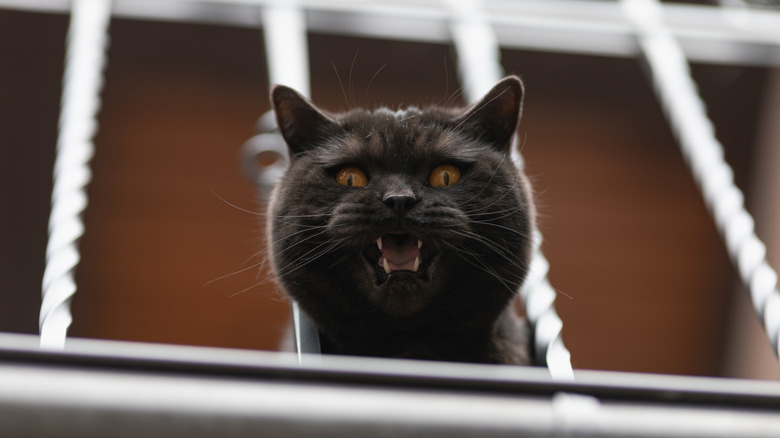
[643, 280]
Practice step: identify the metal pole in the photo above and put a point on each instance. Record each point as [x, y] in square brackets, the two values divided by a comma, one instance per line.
[480, 68]
[284, 26]
[685, 110]
[707, 33]
[84, 62]
[105, 388]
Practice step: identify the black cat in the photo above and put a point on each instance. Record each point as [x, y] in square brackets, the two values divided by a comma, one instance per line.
[405, 233]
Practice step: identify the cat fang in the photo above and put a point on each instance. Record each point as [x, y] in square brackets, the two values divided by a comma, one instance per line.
[399, 252]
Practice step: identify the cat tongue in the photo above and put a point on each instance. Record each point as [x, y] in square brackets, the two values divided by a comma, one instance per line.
[400, 256]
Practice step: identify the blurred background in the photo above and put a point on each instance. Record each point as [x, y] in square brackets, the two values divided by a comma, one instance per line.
[172, 249]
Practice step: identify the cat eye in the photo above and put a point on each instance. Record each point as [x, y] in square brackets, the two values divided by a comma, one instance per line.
[351, 176]
[444, 175]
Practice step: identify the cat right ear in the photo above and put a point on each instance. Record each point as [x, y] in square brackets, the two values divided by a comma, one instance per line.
[302, 124]
[494, 118]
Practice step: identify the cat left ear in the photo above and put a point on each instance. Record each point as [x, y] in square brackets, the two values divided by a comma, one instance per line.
[495, 117]
[302, 124]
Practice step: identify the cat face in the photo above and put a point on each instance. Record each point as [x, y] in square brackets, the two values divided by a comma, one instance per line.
[402, 215]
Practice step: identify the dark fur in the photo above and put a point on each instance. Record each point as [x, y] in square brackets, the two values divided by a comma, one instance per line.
[460, 307]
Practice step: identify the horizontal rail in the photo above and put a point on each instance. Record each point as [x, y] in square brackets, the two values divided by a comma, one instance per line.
[100, 388]
[706, 33]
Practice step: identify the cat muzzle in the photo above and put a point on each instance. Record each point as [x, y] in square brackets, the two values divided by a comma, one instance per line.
[398, 252]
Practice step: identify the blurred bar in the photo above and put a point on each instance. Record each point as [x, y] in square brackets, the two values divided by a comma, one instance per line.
[749, 356]
[99, 388]
[706, 33]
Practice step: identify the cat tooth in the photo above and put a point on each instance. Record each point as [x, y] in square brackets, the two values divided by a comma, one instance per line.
[419, 243]
[379, 242]
[416, 264]
[386, 266]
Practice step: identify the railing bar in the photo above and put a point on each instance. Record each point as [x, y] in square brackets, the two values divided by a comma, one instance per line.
[85, 59]
[678, 95]
[284, 26]
[480, 68]
[706, 33]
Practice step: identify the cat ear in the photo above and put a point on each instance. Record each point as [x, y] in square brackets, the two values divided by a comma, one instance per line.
[495, 117]
[302, 124]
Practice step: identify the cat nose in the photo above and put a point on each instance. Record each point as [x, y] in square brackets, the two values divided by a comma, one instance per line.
[400, 202]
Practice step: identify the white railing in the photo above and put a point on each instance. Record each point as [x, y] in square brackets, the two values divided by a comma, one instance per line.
[98, 381]
[664, 35]
[82, 82]
[108, 389]
[706, 33]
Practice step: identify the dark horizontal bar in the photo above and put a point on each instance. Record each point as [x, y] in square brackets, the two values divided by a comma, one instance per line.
[107, 388]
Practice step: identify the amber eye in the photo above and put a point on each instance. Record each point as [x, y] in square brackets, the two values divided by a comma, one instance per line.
[444, 175]
[351, 176]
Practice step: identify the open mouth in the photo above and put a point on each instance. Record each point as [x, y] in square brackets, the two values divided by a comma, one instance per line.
[398, 252]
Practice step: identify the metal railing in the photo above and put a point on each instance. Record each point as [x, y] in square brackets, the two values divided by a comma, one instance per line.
[665, 36]
[118, 389]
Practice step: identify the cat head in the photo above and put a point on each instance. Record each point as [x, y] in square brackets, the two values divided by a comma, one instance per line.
[411, 215]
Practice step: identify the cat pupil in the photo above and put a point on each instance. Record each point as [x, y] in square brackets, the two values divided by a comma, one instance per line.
[446, 178]
[349, 181]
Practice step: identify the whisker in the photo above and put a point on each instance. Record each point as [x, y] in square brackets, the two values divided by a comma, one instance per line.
[503, 195]
[480, 265]
[455, 94]
[258, 284]
[504, 252]
[477, 110]
[368, 88]
[522, 144]
[502, 227]
[339, 260]
[349, 85]
[499, 214]
[301, 241]
[333, 244]
[272, 278]
[487, 184]
[254, 213]
[341, 85]
[256, 265]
